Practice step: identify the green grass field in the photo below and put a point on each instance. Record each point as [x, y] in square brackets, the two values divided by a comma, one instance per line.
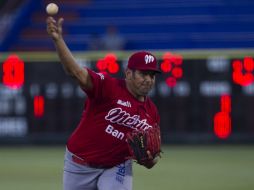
[181, 168]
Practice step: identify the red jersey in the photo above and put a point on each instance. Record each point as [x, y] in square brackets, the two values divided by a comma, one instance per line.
[110, 112]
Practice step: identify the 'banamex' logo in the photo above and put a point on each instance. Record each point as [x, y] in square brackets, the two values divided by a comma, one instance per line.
[149, 59]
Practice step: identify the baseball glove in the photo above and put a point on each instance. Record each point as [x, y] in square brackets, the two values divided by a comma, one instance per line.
[139, 142]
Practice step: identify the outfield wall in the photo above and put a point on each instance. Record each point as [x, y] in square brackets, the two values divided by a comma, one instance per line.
[199, 98]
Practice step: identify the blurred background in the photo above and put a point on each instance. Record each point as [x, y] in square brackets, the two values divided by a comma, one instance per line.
[205, 94]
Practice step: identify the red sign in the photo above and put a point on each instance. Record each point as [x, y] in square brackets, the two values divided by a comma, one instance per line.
[13, 72]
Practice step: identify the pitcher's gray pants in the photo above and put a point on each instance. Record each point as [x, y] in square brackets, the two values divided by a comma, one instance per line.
[81, 177]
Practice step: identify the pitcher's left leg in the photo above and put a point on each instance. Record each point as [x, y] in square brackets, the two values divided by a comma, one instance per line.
[118, 177]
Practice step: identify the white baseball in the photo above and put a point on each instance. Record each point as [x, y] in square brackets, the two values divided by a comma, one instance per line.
[52, 9]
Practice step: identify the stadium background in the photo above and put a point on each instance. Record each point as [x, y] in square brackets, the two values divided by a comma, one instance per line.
[205, 94]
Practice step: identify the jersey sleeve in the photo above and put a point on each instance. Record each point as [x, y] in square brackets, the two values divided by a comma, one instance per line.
[102, 85]
[156, 115]
[158, 119]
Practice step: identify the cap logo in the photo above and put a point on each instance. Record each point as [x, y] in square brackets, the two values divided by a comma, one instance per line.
[149, 59]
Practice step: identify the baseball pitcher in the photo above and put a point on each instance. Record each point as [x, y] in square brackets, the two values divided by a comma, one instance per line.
[119, 123]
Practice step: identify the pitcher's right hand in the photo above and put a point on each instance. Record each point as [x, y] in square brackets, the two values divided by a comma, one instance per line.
[54, 28]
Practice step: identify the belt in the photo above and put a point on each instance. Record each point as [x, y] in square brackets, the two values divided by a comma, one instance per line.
[81, 161]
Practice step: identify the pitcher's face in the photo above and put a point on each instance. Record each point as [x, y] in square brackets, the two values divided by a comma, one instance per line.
[141, 82]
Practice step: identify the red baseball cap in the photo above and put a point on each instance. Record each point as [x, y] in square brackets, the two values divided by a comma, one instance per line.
[143, 61]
